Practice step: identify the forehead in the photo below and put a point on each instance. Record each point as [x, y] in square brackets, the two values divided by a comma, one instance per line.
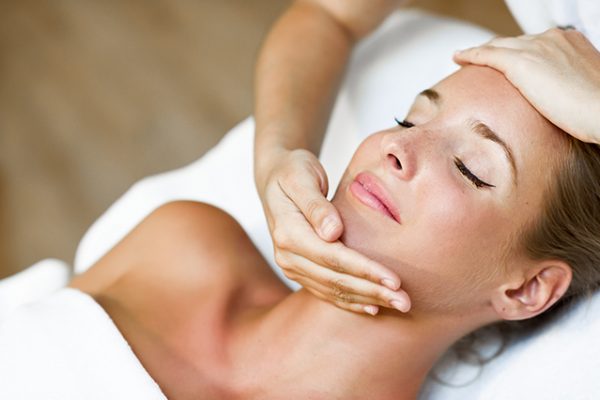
[484, 94]
[485, 90]
[537, 145]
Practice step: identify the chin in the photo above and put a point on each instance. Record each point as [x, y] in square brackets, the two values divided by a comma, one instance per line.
[370, 235]
[362, 230]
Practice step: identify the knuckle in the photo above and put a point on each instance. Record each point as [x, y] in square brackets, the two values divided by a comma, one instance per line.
[332, 262]
[281, 260]
[339, 284]
[523, 63]
[554, 32]
[313, 209]
[575, 35]
[369, 275]
[281, 237]
[480, 54]
[289, 185]
[558, 34]
[290, 274]
[344, 305]
[380, 294]
[339, 291]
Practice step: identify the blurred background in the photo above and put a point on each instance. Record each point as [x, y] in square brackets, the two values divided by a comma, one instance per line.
[96, 94]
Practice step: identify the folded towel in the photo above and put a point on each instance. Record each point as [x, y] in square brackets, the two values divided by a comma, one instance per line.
[36, 282]
[66, 347]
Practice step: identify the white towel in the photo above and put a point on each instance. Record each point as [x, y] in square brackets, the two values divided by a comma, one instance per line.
[536, 16]
[66, 347]
[34, 283]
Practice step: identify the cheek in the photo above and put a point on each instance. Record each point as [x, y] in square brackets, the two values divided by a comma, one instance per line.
[447, 250]
[367, 154]
[455, 246]
[459, 228]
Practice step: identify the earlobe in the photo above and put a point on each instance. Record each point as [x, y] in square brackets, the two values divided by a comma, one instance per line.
[533, 293]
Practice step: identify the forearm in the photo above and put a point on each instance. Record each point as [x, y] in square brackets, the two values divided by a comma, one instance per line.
[297, 75]
[300, 68]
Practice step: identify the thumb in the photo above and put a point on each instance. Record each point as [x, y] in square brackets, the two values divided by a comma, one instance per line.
[321, 215]
[330, 227]
[318, 211]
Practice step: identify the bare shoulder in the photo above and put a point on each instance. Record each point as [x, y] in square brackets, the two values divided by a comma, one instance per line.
[182, 244]
[175, 286]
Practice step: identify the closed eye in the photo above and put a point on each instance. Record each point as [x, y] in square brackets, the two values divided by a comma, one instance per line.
[404, 123]
[469, 175]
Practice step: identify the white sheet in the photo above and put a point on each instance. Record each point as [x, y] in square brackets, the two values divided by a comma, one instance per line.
[559, 362]
[66, 347]
[535, 16]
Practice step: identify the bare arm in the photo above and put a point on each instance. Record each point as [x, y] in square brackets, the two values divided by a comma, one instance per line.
[298, 74]
[300, 68]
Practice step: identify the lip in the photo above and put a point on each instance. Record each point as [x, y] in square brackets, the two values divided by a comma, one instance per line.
[370, 191]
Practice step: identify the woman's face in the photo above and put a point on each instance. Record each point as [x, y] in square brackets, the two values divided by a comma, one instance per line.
[442, 202]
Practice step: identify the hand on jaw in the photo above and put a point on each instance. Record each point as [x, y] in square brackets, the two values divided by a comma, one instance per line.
[306, 229]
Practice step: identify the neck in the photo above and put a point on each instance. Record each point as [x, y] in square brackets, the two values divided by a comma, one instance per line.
[305, 342]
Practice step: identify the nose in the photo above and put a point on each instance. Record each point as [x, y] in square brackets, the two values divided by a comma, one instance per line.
[398, 154]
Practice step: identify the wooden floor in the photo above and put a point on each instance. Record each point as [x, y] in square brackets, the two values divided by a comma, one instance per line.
[97, 94]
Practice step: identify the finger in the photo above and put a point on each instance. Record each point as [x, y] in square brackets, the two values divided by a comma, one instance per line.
[356, 290]
[354, 307]
[348, 288]
[319, 291]
[517, 43]
[337, 257]
[318, 211]
[347, 301]
[499, 58]
[359, 308]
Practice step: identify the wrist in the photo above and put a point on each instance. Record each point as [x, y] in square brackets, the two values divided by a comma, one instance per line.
[266, 158]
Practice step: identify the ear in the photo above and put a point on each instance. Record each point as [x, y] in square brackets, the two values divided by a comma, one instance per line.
[533, 293]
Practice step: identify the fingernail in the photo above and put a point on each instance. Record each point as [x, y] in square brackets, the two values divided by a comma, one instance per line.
[328, 226]
[399, 305]
[373, 310]
[390, 284]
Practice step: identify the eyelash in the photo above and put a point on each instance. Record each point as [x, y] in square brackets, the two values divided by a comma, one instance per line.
[470, 176]
[404, 123]
[457, 161]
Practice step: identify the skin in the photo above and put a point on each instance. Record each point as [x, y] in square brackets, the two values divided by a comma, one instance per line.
[556, 71]
[208, 319]
[464, 226]
[295, 86]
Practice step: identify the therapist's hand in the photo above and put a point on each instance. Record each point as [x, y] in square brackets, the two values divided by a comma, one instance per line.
[557, 71]
[305, 228]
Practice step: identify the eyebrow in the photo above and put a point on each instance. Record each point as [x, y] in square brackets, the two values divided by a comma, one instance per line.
[431, 95]
[487, 133]
[482, 130]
